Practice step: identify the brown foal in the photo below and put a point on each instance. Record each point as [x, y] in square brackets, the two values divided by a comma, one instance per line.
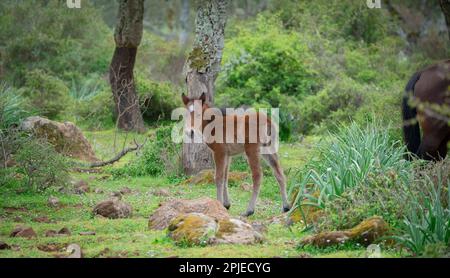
[224, 150]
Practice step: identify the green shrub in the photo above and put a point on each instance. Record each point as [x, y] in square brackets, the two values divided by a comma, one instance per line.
[67, 43]
[266, 66]
[337, 19]
[95, 112]
[30, 162]
[159, 156]
[157, 99]
[337, 102]
[41, 165]
[427, 222]
[46, 93]
[349, 160]
[12, 107]
[263, 62]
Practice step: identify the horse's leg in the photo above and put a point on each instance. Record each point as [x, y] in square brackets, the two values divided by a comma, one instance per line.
[220, 162]
[252, 152]
[434, 135]
[442, 150]
[226, 199]
[273, 161]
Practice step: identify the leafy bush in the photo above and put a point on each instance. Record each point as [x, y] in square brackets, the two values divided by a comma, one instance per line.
[40, 164]
[266, 66]
[46, 93]
[353, 156]
[67, 43]
[157, 99]
[96, 112]
[427, 221]
[340, 19]
[30, 162]
[337, 101]
[160, 156]
[12, 107]
[264, 62]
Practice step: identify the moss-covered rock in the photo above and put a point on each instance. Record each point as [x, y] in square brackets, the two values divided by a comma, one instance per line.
[367, 232]
[193, 229]
[161, 218]
[235, 231]
[201, 229]
[65, 137]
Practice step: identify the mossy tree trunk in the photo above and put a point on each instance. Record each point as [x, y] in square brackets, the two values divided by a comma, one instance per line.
[445, 6]
[127, 35]
[202, 68]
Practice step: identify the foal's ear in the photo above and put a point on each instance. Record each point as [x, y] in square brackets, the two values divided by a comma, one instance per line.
[203, 98]
[185, 99]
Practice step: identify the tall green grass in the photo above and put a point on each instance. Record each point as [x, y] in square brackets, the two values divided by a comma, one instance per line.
[427, 221]
[12, 107]
[347, 161]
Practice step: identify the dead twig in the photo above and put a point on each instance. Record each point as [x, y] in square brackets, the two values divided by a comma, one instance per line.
[116, 158]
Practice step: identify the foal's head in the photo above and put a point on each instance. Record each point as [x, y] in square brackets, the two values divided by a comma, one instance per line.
[195, 107]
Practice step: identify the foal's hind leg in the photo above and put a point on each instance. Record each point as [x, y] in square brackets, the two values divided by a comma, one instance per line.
[252, 152]
[273, 161]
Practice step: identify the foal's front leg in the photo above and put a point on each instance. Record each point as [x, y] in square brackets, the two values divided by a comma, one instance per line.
[220, 162]
[226, 199]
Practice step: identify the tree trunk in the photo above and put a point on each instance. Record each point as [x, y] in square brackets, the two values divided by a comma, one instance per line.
[202, 68]
[445, 6]
[127, 35]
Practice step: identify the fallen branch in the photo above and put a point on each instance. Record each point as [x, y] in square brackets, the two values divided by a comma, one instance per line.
[116, 158]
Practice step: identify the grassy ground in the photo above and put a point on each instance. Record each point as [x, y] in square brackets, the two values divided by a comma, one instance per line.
[131, 237]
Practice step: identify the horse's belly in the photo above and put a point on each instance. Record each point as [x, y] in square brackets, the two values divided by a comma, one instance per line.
[234, 149]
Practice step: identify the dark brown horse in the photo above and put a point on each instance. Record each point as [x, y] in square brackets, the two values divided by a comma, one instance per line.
[426, 106]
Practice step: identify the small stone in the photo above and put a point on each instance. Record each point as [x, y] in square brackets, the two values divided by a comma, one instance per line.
[113, 208]
[42, 219]
[162, 192]
[4, 246]
[15, 247]
[53, 202]
[74, 251]
[26, 232]
[116, 194]
[125, 190]
[51, 247]
[259, 227]
[64, 231]
[99, 191]
[50, 233]
[81, 187]
[246, 186]
[86, 233]
[18, 219]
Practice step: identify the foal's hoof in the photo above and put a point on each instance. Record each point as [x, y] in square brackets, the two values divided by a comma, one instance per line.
[286, 209]
[247, 213]
[227, 206]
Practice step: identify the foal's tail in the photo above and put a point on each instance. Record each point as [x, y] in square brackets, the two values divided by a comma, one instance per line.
[411, 129]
